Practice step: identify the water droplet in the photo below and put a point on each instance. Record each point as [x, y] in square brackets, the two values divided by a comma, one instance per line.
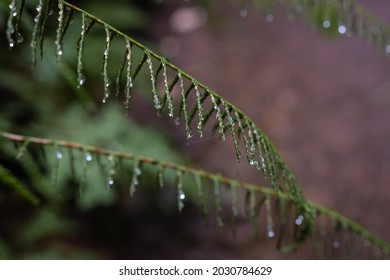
[38, 8]
[137, 171]
[243, 12]
[342, 29]
[110, 181]
[336, 244]
[59, 50]
[299, 220]
[19, 38]
[269, 18]
[326, 23]
[387, 49]
[271, 234]
[298, 8]
[12, 6]
[36, 19]
[88, 157]
[252, 161]
[14, 14]
[182, 195]
[106, 52]
[59, 155]
[157, 102]
[11, 44]
[81, 79]
[177, 121]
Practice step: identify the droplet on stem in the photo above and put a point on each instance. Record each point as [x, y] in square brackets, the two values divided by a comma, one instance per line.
[88, 157]
[59, 155]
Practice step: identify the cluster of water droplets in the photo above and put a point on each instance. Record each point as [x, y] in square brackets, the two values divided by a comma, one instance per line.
[270, 227]
[13, 35]
[106, 79]
[181, 196]
[232, 124]
[299, 220]
[80, 75]
[58, 43]
[200, 108]
[137, 171]
[218, 115]
[167, 90]
[111, 171]
[156, 99]
[188, 129]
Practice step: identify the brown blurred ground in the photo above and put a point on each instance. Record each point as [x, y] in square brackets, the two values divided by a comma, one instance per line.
[323, 101]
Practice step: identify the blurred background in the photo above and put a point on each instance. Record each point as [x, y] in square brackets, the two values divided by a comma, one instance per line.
[322, 99]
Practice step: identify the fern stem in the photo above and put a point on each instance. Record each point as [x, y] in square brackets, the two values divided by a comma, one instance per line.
[322, 210]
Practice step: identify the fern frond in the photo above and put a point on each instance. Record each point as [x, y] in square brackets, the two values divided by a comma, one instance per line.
[334, 235]
[262, 153]
[345, 18]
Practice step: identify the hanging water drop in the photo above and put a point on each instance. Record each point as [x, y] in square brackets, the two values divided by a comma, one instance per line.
[182, 195]
[88, 157]
[269, 17]
[270, 233]
[268, 207]
[157, 102]
[11, 44]
[342, 29]
[299, 220]
[110, 181]
[136, 173]
[243, 12]
[19, 38]
[326, 23]
[59, 51]
[38, 8]
[81, 79]
[387, 49]
[335, 244]
[59, 155]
